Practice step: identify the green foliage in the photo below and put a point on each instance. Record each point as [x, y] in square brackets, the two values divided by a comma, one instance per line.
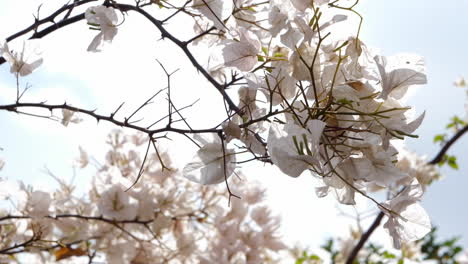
[440, 138]
[456, 123]
[305, 258]
[329, 247]
[442, 251]
[449, 160]
[430, 248]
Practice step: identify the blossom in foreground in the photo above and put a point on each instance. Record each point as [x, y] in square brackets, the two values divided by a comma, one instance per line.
[242, 54]
[293, 148]
[23, 62]
[212, 164]
[104, 19]
[215, 10]
[399, 72]
[407, 221]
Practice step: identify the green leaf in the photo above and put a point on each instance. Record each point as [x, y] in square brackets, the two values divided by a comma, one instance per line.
[388, 255]
[328, 245]
[452, 162]
[278, 55]
[260, 58]
[314, 257]
[344, 101]
[439, 137]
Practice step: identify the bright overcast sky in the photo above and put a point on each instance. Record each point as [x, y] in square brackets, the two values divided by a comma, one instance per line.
[127, 71]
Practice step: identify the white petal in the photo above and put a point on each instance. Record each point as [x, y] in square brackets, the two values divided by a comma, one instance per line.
[95, 45]
[283, 143]
[413, 125]
[215, 10]
[399, 72]
[208, 166]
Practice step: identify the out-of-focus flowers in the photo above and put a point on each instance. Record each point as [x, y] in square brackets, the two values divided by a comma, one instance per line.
[164, 218]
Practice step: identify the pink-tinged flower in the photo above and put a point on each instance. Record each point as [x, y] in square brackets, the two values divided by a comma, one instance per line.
[104, 19]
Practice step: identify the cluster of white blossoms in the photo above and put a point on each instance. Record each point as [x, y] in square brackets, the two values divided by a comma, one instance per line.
[336, 103]
[163, 219]
[312, 98]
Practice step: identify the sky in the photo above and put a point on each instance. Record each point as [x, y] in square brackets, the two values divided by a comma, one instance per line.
[127, 71]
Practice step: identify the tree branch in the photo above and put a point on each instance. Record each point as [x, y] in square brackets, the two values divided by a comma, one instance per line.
[447, 145]
[50, 19]
[184, 46]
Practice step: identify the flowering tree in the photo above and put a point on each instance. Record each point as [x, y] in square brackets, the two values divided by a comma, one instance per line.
[300, 90]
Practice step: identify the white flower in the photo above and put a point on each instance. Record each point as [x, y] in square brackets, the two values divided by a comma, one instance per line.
[408, 220]
[281, 85]
[211, 164]
[120, 252]
[378, 166]
[292, 148]
[161, 223]
[301, 5]
[105, 19]
[305, 55]
[417, 167]
[398, 72]
[242, 54]
[24, 62]
[83, 160]
[231, 130]
[278, 16]
[460, 82]
[116, 204]
[186, 244]
[38, 204]
[67, 117]
[215, 10]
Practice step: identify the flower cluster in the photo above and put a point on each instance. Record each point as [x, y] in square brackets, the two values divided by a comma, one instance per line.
[312, 98]
[336, 103]
[165, 220]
